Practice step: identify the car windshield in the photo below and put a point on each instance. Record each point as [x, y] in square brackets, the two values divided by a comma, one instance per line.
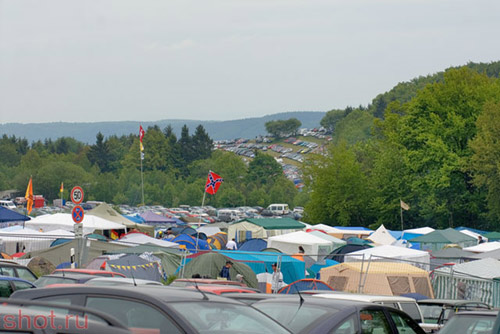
[469, 324]
[25, 274]
[212, 317]
[294, 316]
[431, 312]
[43, 281]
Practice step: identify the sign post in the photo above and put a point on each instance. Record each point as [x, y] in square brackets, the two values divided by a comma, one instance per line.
[78, 214]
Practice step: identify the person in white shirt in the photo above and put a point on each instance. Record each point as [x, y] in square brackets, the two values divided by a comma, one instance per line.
[277, 279]
[231, 245]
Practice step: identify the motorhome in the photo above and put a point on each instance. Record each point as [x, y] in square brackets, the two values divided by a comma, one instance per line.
[279, 209]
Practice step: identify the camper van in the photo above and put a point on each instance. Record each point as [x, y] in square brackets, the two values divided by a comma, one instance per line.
[7, 204]
[279, 209]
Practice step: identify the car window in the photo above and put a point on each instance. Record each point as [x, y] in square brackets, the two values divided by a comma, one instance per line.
[412, 310]
[374, 322]
[63, 300]
[18, 285]
[5, 289]
[8, 271]
[431, 312]
[25, 274]
[404, 324]
[348, 326]
[134, 314]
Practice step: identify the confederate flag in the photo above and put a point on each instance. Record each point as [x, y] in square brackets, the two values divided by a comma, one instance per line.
[213, 183]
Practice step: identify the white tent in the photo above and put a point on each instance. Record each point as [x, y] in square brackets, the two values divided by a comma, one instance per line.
[289, 244]
[336, 241]
[64, 221]
[209, 230]
[27, 239]
[484, 247]
[134, 239]
[420, 230]
[382, 236]
[414, 257]
[323, 227]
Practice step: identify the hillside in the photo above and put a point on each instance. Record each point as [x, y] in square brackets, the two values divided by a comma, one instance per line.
[218, 130]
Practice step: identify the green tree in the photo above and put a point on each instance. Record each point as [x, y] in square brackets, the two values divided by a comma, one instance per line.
[263, 169]
[331, 118]
[99, 154]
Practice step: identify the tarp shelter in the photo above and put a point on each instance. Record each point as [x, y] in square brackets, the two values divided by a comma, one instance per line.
[339, 253]
[315, 247]
[134, 266]
[8, 217]
[253, 245]
[382, 236]
[304, 285]
[64, 221]
[134, 239]
[492, 236]
[484, 247]
[390, 253]
[190, 243]
[210, 264]
[107, 212]
[62, 253]
[381, 278]
[262, 228]
[152, 218]
[336, 241]
[475, 280]
[449, 255]
[439, 238]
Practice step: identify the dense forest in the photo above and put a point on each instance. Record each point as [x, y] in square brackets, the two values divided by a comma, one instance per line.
[175, 170]
[432, 142]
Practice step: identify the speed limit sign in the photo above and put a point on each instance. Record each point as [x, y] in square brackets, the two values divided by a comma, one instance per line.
[77, 195]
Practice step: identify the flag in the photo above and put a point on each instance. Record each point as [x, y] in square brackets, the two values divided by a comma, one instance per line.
[213, 183]
[114, 235]
[62, 187]
[404, 206]
[29, 196]
[141, 135]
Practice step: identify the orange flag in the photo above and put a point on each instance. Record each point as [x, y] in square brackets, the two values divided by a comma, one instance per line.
[29, 196]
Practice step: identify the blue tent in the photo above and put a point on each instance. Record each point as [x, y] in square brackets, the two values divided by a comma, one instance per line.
[322, 264]
[135, 219]
[190, 242]
[253, 245]
[291, 268]
[7, 216]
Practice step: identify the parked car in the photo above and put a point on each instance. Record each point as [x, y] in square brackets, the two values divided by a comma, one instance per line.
[69, 278]
[10, 284]
[7, 204]
[470, 322]
[165, 310]
[182, 282]
[94, 272]
[314, 315]
[118, 281]
[279, 209]
[13, 269]
[222, 289]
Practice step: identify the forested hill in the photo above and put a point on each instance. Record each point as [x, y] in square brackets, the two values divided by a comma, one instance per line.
[405, 91]
[217, 130]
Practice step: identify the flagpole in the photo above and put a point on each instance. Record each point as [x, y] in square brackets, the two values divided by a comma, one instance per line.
[199, 220]
[142, 178]
[401, 209]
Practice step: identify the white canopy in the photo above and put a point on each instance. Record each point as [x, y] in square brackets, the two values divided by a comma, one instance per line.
[27, 239]
[336, 241]
[484, 247]
[382, 236]
[140, 239]
[473, 234]
[289, 244]
[323, 227]
[414, 257]
[65, 222]
[420, 230]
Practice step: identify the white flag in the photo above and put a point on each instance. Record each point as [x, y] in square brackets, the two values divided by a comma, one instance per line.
[404, 206]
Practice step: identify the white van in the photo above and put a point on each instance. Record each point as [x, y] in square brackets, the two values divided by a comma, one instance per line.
[7, 204]
[405, 304]
[279, 209]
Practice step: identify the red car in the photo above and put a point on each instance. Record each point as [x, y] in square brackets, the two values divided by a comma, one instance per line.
[89, 272]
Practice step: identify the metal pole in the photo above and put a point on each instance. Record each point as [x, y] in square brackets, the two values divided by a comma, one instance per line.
[401, 218]
[142, 179]
[199, 221]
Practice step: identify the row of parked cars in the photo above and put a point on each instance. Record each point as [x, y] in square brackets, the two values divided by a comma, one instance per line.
[85, 301]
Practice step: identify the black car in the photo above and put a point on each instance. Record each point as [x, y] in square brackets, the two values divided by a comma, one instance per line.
[316, 315]
[165, 309]
[12, 269]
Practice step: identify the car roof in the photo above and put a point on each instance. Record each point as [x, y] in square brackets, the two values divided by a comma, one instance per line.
[451, 302]
[70, 275]
[221, 288]
[364, 298]
[310, 300]
[120, 279]
[209, 281]
[492, 313]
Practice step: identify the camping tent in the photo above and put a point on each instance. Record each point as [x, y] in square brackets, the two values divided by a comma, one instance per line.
[253, 245]
[190, 243]
[133, 239]
[134, 266]
[417, 258]
[437, 239]
[381, 278]
[315, 247]
[218, 240]
[64, 221]
[262, 228]
[105, 211]
[209, 230]
[340, 253]
[382, 236]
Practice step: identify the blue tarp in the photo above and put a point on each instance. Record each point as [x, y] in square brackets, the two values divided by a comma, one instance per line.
[291, 268]
[253, 245]
[7, 215]
[190, 242]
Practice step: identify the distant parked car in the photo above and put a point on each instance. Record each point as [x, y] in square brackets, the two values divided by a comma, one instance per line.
[69, 278]
[7, 204]
[10, 284]
[222, 289]
[13, 269]
[182, 282]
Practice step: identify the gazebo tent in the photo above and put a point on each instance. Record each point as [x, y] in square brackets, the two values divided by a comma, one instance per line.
[417, 258]
[315, 247]
[344, 232]
[439, 238]
[9, 217]
[494, 254]
[64, 221]
[105, 211]
[381, 278]
[262, 228]
[382, 236]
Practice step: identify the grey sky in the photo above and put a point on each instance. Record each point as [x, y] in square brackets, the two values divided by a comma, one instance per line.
[103, 60]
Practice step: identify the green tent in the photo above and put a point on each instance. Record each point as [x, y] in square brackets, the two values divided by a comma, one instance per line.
[210, 264]
[436, 240]
[492, 236]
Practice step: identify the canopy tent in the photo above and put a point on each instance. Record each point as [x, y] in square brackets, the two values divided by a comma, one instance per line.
[415, 232]
[484, 247]
[105, 211]
[134, 218]
[133, 266]
[437, 239]
[305, 285]
[210, 264]
[8, 216]
[325, 228]
[253, 245]
[335, 241]
[262, 228]
[27, 239]
[417, 258]
[155, 219]
[472, 234]
[133, 239]
[382, 236]
[315, 247]
[64, 221]
[475, 230]
[381, 278]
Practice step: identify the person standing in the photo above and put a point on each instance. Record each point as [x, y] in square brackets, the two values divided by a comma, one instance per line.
[277, 278]
[224, 273]
[232, 245]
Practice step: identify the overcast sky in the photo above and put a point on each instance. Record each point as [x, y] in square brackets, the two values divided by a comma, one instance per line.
[146, 60]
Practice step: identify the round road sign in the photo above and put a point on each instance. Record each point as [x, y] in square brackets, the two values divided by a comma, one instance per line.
[77, 214]
[77, 195]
